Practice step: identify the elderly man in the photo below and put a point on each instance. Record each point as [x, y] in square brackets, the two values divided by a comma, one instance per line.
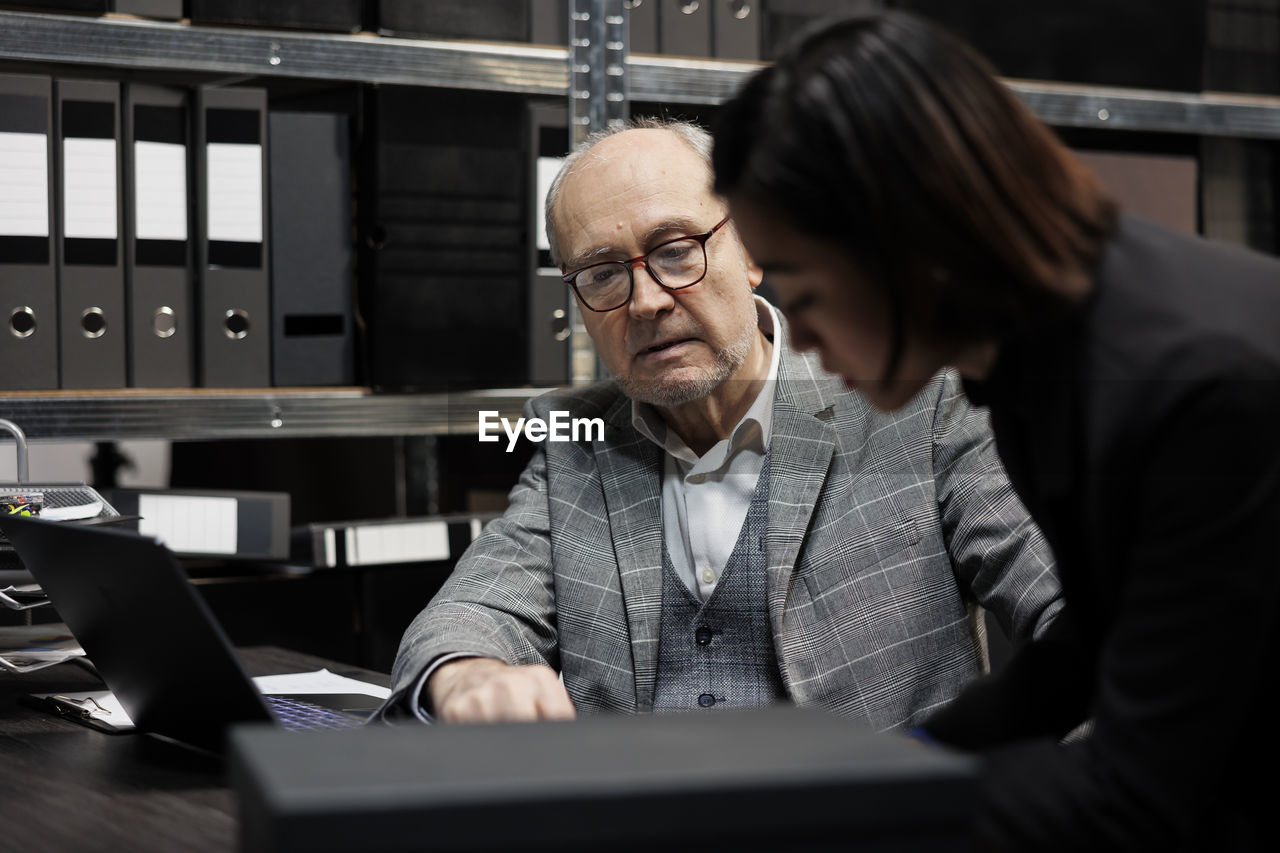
[748, 530]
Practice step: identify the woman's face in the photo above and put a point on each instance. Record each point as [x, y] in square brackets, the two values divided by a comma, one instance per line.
[834, 308]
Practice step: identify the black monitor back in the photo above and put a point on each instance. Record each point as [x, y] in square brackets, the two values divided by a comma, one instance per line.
[777, 778]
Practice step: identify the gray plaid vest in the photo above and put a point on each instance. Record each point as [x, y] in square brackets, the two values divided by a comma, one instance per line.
[719, 653]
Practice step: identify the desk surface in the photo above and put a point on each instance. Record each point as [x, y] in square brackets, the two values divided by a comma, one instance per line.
[66, 787]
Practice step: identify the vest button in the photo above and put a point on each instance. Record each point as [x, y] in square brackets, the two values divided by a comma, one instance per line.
[703, 636]
[706, 700]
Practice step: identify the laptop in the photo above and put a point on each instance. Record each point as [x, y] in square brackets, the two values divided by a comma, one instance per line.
[152, 638]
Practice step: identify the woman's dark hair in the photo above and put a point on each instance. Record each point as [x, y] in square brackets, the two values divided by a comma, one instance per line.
[888, 136]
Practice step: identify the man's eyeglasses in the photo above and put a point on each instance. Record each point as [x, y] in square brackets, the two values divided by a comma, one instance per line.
[675, 264]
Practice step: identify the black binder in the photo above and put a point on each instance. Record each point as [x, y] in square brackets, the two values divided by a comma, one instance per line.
[548, 294]
[28, 278]
[782, 20]
[63, 5]
[232, 244]
[1242, 50]
[549, 22]
[170, 10]
[495, 20]
[158, 274]
[1146, 44]
[642, 26]
[312, 250]
[443, 226]
[91, 315]
[337, 15]
[736, 29]
[684, 28]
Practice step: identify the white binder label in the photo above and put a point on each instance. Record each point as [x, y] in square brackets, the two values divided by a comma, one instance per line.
[548, 168]
[190, 524]
[24, 185]
[397, 543]
[234, 194]
[160, 190]
[89, 200]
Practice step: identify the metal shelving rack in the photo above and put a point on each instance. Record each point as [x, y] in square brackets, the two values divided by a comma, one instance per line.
[112, 42]
[540, 70]
[209, 413]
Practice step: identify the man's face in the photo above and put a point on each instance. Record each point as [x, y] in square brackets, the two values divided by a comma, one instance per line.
[628, 194]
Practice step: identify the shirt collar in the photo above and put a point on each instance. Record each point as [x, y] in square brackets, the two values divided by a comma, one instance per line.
[751, 433]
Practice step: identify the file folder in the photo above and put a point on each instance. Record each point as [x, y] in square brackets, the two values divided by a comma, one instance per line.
[28, 276]
[91, 315]
[684, 28]
[158, 275]
[374, 542]
[232, 247]
[312, 250]
[736, 28]
[211, 522]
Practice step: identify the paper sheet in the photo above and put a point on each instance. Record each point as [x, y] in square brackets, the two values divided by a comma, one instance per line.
[320, 681]
[24, 648]
[22, 596]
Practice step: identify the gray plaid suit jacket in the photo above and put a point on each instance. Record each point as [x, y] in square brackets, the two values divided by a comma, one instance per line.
[882, 530]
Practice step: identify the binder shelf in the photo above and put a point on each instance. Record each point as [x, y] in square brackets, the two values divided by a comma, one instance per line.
[191, 414]
[543, 70]
[125, 43]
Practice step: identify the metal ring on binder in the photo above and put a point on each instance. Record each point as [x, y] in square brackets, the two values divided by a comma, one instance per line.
[164, 323]
[93, 322]
[22, 322]
[236, 325]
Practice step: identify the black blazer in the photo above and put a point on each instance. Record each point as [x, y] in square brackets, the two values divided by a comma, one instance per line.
[1143, 434]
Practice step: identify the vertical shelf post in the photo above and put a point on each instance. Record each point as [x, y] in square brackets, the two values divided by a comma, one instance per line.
[598, 99]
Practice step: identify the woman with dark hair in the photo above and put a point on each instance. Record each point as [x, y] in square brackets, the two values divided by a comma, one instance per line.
[910, 214]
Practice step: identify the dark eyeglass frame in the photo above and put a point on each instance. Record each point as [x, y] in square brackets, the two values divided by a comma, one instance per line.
[628, 264]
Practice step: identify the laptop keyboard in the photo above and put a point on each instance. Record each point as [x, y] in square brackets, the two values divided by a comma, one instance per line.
[297, 715]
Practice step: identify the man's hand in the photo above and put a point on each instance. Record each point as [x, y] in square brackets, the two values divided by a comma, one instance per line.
[484, 690]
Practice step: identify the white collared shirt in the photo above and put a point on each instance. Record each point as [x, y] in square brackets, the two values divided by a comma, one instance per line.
[705, 500]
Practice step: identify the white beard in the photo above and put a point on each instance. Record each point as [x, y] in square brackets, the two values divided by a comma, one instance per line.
[676, 392]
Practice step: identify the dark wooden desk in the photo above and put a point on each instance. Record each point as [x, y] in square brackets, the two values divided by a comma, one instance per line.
[67, 788]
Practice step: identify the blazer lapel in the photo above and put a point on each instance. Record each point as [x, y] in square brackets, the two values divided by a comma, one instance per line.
[631, 474]
[800, 457]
